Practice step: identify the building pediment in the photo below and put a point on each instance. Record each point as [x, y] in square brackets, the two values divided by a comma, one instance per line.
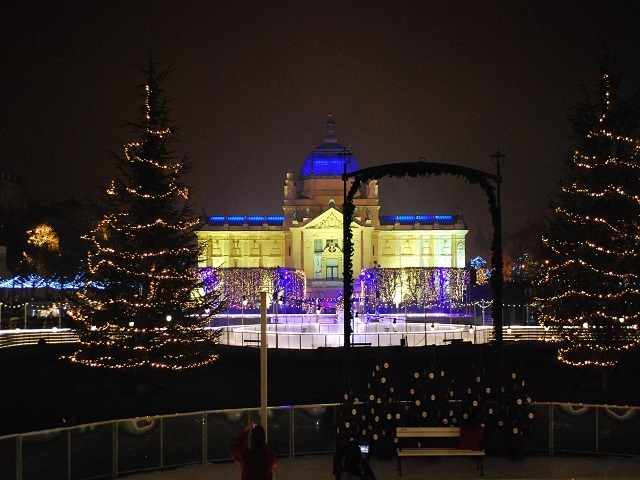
[332, 218]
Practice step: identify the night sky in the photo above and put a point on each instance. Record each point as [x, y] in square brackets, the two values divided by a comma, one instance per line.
[253, 83]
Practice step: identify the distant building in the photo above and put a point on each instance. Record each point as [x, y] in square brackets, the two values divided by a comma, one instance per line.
[14, 196]
[14, 203]
[308, 236]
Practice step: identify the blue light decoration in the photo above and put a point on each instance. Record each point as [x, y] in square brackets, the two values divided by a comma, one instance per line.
[272, 220]
[421, 219]
[235, 220]
[36, 281]
[275, 220]
[209, 279]
[478, 263]
[255, 220]
[483, 271]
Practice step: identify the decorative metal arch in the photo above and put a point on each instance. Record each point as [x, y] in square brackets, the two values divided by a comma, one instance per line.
[427, 169]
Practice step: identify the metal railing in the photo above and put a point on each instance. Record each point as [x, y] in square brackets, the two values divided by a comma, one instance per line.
[15, 338]
[318, 335]
[297, 336]
[301, 332]
[122, 447]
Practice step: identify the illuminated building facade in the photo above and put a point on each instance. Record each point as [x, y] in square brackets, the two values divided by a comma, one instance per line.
[308, 237]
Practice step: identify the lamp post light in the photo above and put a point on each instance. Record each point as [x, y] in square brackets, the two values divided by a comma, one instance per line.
[424, 313]
[244, 304]
[483, 304]
[475, 320]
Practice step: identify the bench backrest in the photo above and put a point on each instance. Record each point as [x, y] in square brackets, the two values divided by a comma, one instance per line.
[427, 432]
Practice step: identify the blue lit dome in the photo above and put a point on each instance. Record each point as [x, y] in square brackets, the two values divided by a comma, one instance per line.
[328, 158]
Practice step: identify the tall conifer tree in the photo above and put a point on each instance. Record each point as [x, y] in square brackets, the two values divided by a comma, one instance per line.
[592, 284]
[145, 302]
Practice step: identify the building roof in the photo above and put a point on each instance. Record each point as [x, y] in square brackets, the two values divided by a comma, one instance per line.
[328, 159]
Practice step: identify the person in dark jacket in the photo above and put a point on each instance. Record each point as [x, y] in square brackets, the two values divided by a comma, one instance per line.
[349, 462]
[258, 460]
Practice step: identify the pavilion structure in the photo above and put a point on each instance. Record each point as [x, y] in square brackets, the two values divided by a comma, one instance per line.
[308, 237]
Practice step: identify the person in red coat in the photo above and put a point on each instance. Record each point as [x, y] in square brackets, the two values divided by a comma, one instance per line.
[258, 460]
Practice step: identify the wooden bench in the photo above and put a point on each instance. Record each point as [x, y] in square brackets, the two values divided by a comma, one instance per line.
[454, 341]
[435, 432]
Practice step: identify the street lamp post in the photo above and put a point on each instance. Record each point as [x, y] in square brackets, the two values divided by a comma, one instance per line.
[345, 158]
[498, 161]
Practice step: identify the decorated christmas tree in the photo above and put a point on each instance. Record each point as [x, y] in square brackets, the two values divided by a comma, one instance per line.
[372, 417]
[381, 412]
[349, 418]
[145, 303]
[591, 298]
[429, 398]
